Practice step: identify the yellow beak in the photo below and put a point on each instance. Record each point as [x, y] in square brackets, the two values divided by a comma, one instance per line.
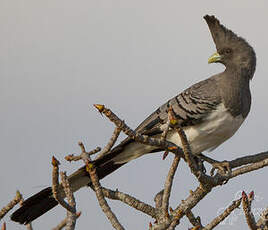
[214, 58]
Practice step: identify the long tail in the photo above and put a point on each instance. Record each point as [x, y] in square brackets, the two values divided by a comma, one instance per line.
[44, 201]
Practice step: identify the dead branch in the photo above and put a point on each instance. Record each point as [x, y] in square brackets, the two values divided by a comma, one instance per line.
[10, 205]
[110, 144]
[102, 202]
[169, 146]
[223, 215]
[65, 191]
[168, 184]
[83, 154]
[207, 183]
[86, 157]
[59, 196]
[165, 219]
[130, 201]
[71, 215]
[63, 223]
[246, 203]
[262, 223]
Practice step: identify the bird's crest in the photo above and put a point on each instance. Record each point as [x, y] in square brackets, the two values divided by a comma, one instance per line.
[221, 35]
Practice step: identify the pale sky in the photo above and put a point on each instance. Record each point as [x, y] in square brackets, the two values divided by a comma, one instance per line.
[57, 58]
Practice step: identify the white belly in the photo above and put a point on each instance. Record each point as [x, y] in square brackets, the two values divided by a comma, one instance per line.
[217, 128]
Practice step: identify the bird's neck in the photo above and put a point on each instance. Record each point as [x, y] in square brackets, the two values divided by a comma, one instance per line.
[239, 71]
[244, 69]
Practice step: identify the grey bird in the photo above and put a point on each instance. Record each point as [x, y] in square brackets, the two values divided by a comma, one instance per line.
[210, 112]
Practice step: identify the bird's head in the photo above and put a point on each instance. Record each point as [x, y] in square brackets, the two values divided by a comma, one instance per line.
[232, 50]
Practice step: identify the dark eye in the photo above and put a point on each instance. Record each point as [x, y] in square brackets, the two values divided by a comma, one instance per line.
[228, 51]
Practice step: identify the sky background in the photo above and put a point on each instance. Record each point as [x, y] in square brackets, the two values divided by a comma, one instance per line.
[57, 58]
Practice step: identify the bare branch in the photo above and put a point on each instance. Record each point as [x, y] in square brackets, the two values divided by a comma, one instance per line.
[263, 220]
[71, 215]
[131, 201]
[84, 154]
[63, 223]
[59, 196]
[247, 211]
[10, 205]
[191, 201]
[241, 160]
[168, 183]
[110, 144]
[248, 159]
[102, 202]
[207, 182]
[249, 168]
[138, 137]
[223, 215]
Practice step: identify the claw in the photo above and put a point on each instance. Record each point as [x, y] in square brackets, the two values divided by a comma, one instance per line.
[165, 155]
[223, 167]
[200, 162]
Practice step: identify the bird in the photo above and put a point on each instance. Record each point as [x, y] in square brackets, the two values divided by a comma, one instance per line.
[209, 112]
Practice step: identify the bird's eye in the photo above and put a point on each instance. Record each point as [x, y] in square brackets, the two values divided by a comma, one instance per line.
[228, 51]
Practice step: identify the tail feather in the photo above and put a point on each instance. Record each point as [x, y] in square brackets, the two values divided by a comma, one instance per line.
[43, 201]
[35, 206]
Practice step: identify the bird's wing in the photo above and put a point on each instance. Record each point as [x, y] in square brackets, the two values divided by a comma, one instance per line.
[190, 107]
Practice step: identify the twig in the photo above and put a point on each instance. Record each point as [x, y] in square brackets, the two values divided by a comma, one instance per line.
[223, 215]
[207, 183]
[110, 144]
[263, 220]
[169, 180]
[205, 188]
[73, 157]
[247, 211]
[63, 223]
[71, 215]
[131, 201]
[97, 187]
[248, 159]
[58, 195]
[168, 183]
[241, 160]
[102, 202]
[10, 205]
[156, 142]
[249, 168]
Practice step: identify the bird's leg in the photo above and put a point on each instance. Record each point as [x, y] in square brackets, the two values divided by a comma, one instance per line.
[200, 163]
[222, 166]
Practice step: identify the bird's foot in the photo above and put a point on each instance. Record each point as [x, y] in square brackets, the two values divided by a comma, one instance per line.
[200, 163]
[223, 168]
